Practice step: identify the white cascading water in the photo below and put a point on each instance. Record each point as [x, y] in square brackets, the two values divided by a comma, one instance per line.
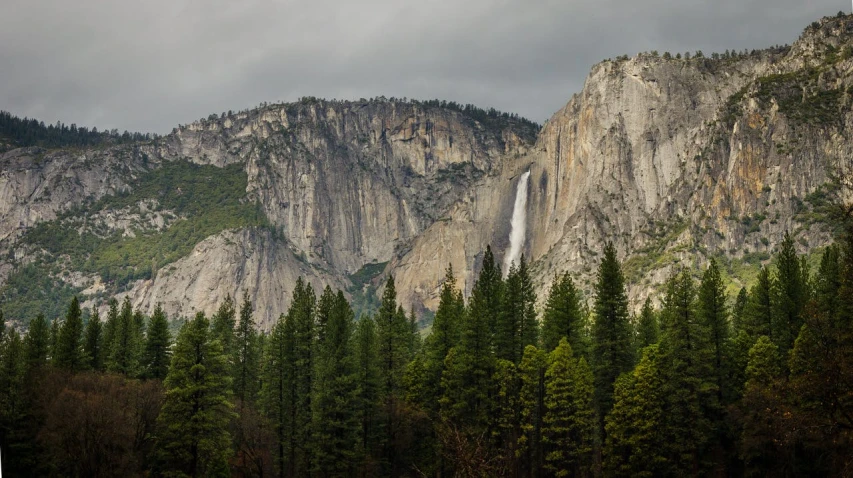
[518, 226]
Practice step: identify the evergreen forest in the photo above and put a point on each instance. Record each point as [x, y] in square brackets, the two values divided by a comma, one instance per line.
[695, 383]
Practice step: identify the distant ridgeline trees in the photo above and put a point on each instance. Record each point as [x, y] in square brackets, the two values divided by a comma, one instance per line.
[760, 385]
[30, 132]
[489, 117]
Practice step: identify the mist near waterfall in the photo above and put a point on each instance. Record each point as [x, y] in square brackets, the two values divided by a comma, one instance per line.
[518, 224]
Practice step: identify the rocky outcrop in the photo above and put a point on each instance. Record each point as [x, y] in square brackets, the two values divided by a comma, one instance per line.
[36, 184]
[236, 263]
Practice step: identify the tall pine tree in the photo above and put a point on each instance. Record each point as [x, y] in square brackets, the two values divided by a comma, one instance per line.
[647, 326]
[689, 390]
[157, 354]
[335, 392]
[563, 316]
[531, 402]
[487, 297]
[611, 331]
[517, 325]
[714, 318]
[789, 296]
[93, 345]
[368, 396]
[37, 343]
[69, 348]
[287, 384]
[444, 336]
[635, 441]
[223, 324]
[569, 422]
[247, 355]
[126, 349]
[194, 439]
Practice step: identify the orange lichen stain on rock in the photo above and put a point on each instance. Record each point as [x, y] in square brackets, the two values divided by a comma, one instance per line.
[755, 121]
[750, 171]
[752, 168]
[719, 195]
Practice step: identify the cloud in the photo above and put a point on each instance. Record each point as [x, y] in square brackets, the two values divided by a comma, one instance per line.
[147, 66]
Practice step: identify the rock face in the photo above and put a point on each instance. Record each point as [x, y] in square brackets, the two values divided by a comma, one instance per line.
[350, 183]
[668, 158]
[36, 184]
[342, 185]
[234, 262]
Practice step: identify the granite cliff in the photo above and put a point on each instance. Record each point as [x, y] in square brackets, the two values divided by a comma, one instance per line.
[668, 157]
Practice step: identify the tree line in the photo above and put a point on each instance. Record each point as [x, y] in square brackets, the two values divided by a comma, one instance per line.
[760, 385]
[31, 132]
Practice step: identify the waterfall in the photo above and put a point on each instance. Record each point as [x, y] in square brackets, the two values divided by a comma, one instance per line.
[518, 226]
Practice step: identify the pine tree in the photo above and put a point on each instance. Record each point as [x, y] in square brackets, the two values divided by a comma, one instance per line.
[125, 349]
[392, 335]
[223, 323]
[335, 393]
[286, 389]
[763, 365]
[517, 326]
[531, 402]
[302, 315]
[157, 354]
[474, 361]
[93, 345]
[247, 356]
[563, 317]
[789, 295]
[529, 333]
[647, 326]
[828, 282]
[690, 390]
[444, 336]
[821, 361]
[569, 421]
[139, 334]
[194, 438]
[739, 309]
[13, 369]
[485, 304]
[53, 341]
[325, 304]
[635, 443]
[69, 349]
[714, 318]
[452, 404]
[276, 378]
[368, 393]
[761, 405]
[759, 310]
[505, 416]
[611, 331]
[109, 332]
[417, 342]
[37, 343]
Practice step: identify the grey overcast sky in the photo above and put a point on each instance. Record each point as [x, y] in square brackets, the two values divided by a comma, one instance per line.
[150, 65]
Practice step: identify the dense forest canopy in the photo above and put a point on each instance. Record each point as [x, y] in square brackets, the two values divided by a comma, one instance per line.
[760, 384]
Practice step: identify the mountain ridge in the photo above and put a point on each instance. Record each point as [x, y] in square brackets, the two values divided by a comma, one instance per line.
[664, 156]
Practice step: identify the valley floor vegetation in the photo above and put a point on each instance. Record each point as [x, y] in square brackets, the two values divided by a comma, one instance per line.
[757, 385]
